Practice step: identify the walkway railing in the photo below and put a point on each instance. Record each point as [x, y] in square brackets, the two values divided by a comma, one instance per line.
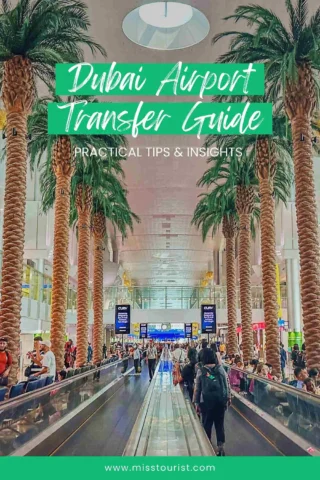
[293, 408]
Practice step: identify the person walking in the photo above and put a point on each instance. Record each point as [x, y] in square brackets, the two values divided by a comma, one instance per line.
[283, 360]
[104, 351]
[192, 354]
[212, 396]
[179, 354]
[90, 352]
[204, 345]
[136, 359]
[151, 358]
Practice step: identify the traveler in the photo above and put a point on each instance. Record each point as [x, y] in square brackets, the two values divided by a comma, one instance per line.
[151, 358]
[310, 386]
[136, 359]
[294, 354]
[270, 377]
[300, 375]
[179, 355]
[89, 352]
[204, 344]
[35, 365]
[192, 354]
[48, 361]
[314, 375]
[283, 361]
[62, 375]
[253, 365]
[212, 395]
[125, 360]
[104, 351]
[5, 362]
[213, 347]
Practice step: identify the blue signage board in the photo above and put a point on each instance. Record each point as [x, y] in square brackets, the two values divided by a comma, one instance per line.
[122, 321]
[143, 330]
[208, 319]
[188, 330]
[165, 331]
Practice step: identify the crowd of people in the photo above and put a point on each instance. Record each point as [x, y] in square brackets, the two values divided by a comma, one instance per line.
[303, 378]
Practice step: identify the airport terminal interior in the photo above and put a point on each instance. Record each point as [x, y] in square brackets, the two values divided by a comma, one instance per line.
[160, 297]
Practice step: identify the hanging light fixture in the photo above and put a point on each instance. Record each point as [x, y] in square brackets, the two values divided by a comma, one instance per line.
[166, 25]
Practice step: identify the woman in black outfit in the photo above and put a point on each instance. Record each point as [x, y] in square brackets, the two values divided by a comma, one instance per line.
[212, 395]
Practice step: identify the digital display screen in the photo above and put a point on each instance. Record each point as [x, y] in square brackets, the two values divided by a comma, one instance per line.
[143, 330]
[122, 322]
[166, 331]
[208, 319]
[188, 330]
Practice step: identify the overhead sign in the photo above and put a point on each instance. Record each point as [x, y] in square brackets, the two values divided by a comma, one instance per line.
[122, 321]
[188, 330]
[208, 319]
[143, 330]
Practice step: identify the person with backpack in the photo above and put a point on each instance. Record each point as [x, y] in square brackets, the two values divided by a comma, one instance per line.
[294, 355]
[212, 396]
[5, 362]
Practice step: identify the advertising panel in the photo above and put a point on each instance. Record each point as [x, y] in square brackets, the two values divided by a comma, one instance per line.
[188, 330]
[208, 319]
[143, 330]
[122, 320]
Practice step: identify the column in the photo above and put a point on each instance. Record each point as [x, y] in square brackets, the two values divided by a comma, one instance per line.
[294, 300]
[108, 339]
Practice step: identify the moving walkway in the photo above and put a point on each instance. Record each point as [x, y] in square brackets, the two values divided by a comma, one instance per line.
[104, 412]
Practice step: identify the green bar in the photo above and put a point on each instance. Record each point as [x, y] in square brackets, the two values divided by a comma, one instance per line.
[160, 118]
[119, 468]
[145, 79]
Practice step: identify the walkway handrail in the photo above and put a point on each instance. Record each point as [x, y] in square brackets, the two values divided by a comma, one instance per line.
[281, 386]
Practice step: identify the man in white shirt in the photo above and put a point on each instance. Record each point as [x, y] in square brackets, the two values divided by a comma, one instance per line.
[48, 361]
[179, 355]
[152, 357]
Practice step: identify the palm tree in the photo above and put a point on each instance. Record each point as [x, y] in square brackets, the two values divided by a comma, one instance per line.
[57, 172]
[272, 155]
[35, 35]
[291, 58]
[235, 178]
[114, 207]
[211, 212]
[91, 178]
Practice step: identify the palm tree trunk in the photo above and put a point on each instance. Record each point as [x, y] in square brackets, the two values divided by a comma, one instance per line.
[229, 229]
[231, 296]
[18, 95]
[99, 232]
[300, 103]
[268, 260]
[245, 286]
[84, 205]
[63, 169]
[308, 237]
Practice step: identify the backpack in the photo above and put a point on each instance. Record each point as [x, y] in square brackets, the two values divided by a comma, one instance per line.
[214, 386]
